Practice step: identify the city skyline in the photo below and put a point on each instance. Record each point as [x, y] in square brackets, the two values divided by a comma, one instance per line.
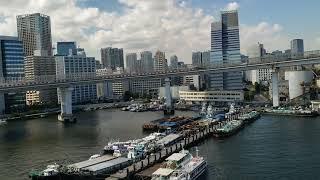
[182, 30]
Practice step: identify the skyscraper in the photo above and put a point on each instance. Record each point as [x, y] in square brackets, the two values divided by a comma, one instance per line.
[174, 62]
[112, 58]
[225, 49]
[297, 47]
[196, 58]
[65, 48]
[12, 63]
[131, 62]
[146, 61]
[160, 62]
[34, 30]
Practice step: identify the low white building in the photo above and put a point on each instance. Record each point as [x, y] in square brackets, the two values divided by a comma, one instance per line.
[259, 75]
[220, 97]
[174, 91]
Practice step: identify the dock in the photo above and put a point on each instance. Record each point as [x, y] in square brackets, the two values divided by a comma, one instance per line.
[158, 157]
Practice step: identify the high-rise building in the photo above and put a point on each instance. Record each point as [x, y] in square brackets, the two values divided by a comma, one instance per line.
[66, 48]
[12, 67]
[36, 67]
[147, 61]
[112, 58]
[160, 61]
[297, 47]
[174, 62]
[34, 30]
[131, 62]
[225, 49]
[201, 59]
[67, 66]
[205, 58]
[196, 59]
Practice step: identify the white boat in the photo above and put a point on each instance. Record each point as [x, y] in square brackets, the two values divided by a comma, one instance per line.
[51, 170]
[94, 156]
[2, 121]
[181, 166]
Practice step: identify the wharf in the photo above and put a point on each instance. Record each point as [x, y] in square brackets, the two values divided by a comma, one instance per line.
[158, 157]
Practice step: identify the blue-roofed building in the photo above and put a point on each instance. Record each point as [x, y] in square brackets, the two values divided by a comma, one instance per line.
[12, 67]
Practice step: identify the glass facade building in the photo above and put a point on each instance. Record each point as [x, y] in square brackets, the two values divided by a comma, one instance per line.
[65, 48]
[12, 63]
[225, 49]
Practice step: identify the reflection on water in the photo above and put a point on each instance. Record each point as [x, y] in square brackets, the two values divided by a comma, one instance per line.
[270, 148]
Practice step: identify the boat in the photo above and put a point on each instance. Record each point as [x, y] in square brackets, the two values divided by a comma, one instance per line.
[230, 128]
[146, 144]
[94, 156]
[181, 166]
[292, 112]
[249, 117]
[3, 121]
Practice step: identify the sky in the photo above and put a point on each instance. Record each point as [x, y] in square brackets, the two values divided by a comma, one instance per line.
[174, 26]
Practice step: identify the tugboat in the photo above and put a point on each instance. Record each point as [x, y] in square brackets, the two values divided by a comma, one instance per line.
[181, 166]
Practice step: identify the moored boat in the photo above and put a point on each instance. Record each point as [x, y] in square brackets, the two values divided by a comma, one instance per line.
[230, 128]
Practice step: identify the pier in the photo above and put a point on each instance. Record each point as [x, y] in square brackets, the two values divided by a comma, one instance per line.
[158, 157]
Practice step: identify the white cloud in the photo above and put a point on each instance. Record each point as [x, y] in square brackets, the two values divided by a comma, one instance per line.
[168, 25]
[232, 6]
[270, 35]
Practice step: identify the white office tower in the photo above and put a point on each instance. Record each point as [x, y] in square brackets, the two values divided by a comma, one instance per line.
[225, 49]
[160, 62]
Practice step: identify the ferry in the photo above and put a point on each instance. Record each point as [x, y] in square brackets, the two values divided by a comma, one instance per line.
[229, 128]
[181, 166]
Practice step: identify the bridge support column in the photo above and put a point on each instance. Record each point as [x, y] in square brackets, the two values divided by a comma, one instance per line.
[275, 88]
[66, 105]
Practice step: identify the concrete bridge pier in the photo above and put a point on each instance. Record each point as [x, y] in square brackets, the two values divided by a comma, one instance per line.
[275, 88]
[66, 105]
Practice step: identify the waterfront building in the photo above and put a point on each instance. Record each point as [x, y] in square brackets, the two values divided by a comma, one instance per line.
[71, 66]
[160, 61]
[119, 88]
[12, 67]
[131, 63]
[112, 58]
[34, 30]
[36, 67]
[66, 48]
[173, 62]
[225, 49]
[297, 47]
[147, 61]
[146, 86]
[104, 90]
[192, 81]
[215, 97]
[174, 91]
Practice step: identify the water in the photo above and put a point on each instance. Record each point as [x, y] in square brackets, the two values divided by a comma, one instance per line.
[270, 148]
